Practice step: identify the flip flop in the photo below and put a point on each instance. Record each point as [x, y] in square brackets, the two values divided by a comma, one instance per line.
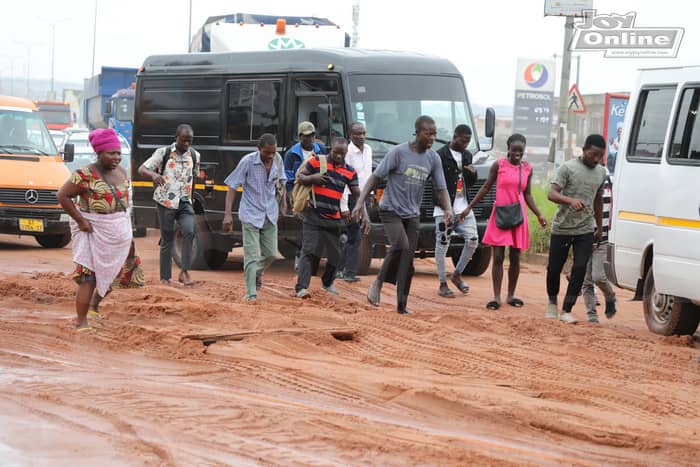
[94, 314]
[493, 305]
[516, 302]
[85, 329]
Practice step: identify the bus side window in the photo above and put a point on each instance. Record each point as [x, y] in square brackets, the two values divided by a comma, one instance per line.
[685, 147]
[253, 109]
[650, 123]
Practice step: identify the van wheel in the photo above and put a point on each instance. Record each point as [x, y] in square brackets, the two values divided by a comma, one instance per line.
[140, 232]
[286, 248]
[479, 262]
[665, 314]
[53, 241]
[205, 255]
[365, 259]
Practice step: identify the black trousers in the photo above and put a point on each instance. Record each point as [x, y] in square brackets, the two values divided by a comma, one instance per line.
[559, 246]
[319, 236]
[397, 267]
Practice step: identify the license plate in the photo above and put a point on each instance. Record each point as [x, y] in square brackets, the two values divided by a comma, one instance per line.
[31, 225]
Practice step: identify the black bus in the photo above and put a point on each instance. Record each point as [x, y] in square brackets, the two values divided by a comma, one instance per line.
[230, 99]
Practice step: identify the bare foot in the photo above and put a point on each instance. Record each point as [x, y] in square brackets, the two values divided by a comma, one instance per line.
[185, 279]
[169, 282]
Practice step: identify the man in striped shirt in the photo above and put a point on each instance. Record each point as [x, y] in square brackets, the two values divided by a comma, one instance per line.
[323, 223]
[595, 273]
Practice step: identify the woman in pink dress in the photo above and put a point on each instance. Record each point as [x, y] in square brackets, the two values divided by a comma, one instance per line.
[506, 174]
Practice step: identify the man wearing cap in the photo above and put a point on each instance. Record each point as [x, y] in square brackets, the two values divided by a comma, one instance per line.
[297, 154]
[172, 169]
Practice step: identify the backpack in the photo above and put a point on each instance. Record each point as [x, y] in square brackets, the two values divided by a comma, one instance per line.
[195, 168]
[301, 192]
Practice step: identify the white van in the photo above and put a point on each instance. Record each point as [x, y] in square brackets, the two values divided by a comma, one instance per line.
[655, 235]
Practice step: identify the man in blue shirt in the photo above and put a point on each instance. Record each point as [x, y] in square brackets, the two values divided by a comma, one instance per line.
[260, 174]
[301, 151]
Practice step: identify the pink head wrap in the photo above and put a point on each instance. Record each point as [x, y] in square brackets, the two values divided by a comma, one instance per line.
[104, 139]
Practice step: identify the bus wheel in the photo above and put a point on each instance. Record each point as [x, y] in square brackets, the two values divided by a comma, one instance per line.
[479, 262]
[365, 259]
[205, 255]
[53, 241]
[665, 314]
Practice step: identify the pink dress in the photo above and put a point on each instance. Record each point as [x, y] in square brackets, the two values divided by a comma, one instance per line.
[507, 193]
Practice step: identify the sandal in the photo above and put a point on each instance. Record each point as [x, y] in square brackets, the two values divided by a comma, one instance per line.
[94, 314]
[493, 305]
[85, 329]
[516, 302]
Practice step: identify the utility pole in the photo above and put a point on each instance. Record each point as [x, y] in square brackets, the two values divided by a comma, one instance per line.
[94, 39]
[355, 22]
[53, 23]
[189, 29]
[563, 151]
[578, 68]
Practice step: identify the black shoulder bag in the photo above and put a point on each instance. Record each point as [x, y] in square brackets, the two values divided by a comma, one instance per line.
[511, 215]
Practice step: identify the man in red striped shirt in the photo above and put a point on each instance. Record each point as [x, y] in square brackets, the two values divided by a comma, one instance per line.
[323, 223]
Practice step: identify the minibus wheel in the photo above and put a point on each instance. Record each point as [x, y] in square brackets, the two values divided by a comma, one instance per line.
[665, 314]
[479, 262]
[205, 254]
[53, 241]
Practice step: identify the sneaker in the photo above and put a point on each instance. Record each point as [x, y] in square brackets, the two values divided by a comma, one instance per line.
[593, 317]
[251, 298]
[303, 293]
[610, 308]
[339, 274]
[351, 278]
[567, 317]
[551, 311]
[331, 289]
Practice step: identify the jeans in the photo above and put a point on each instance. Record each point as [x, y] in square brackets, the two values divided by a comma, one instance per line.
[403, 237]
[351, 250]
[259, 252]
[317, 238]
[559, 246]
[595, 275]
[184, 216]
[467, 231]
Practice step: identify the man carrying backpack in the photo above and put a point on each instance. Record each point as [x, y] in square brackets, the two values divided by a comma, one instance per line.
[323, 223]
[172, 169]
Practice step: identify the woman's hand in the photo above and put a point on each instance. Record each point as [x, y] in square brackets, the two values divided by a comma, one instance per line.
[542, 221]
[463, 215]
[84, 225]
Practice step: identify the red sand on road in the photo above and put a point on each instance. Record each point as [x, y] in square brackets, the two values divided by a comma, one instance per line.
[453, 384]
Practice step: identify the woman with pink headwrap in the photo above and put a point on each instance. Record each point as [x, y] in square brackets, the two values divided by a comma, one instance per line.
[103, 247]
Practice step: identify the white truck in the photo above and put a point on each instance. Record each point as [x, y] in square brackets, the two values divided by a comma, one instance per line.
[242, 32]
[655, 237]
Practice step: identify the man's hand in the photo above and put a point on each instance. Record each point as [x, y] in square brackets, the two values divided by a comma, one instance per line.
[158, 179]
[598, 237]
[449, 219]
[463, 215]
[542, 221]
[346, 216]
[319, 179]
[366, 226]
[577, 204]
[470, 168]
[84, 225]
[357, 213]
[227, 224]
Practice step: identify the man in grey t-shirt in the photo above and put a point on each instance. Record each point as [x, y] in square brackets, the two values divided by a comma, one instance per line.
[406, 169]
[577, 189]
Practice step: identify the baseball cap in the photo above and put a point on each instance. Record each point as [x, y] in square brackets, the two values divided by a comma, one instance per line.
[306, 128]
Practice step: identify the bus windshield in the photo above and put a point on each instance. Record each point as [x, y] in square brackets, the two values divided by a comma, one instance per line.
[56, 114]
[24, 133]
[124, 109]
[388, 106]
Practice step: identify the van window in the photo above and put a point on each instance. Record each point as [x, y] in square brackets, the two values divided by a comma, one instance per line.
[650, 123]
[686, 132]
[253, 109]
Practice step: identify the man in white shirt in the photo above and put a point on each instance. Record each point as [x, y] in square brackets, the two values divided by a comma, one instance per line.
[460, 174]
[359, 157]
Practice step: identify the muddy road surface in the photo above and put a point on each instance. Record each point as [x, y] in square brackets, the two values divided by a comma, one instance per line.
[197, 376]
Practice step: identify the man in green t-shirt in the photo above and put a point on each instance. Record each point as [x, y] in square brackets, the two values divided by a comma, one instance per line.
[578, 190]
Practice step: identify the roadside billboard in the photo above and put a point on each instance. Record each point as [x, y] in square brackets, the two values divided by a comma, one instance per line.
[615, 107]
[534, 93]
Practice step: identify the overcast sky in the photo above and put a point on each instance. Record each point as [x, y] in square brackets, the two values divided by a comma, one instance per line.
[483, 38]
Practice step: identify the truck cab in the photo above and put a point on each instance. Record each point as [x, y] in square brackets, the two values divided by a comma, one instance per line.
[31, 172]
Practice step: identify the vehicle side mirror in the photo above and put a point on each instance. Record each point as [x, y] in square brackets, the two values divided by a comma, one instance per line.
[68, 152]
[108, 109]
[490, 123]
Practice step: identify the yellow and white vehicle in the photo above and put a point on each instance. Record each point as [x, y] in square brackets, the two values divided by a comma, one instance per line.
[655, 235]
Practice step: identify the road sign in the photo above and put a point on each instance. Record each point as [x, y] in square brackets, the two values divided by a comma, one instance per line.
[576, 103]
